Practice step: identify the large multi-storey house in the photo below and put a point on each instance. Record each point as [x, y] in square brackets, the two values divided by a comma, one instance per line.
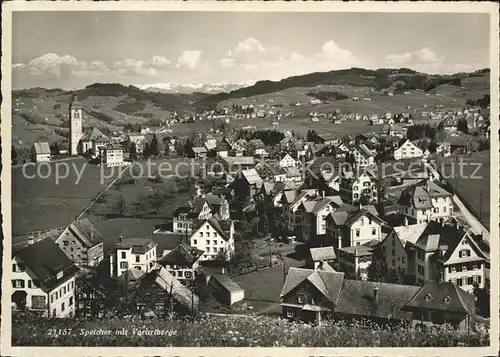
[213, 237]
[407, 150]
[435, 251]
[182, 262]
[288, 161]
[82, 243]
[290, 216]
[426, 201]
[363, 156]
[111, 155]
[314, 212]
[246, 184]
[132, 253]
[350, 226]
[43, 279]
[354, 189]
[185, 215]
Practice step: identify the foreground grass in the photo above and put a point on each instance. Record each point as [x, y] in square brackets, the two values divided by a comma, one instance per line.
[231, 332]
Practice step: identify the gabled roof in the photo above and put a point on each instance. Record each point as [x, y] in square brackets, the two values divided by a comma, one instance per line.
[441, 296]
[363, 149]
[46, 260]
[419, 195]
[410, 233]
[257, 143]
[95, 135]
[221, 226]
[238, 160]
[133, 275]
[163, 279]
[183, 255]
[328, 283]
[199, 149]
[322, 254]
[138, 245]
[41, 148]
[85, 232]
[357, 298]
[251, 176]
[354, 216]
[226, 282]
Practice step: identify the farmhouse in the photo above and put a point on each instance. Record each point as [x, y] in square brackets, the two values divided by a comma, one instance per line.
[186, 214]
[91, 298]
[363, 156]
[82, 243]
[199, 152]
[314, 212]
[213, 237]
[43, 279]
[137, 253]
[287, 161]
[40, 152]
[407, 150]
[182, 262]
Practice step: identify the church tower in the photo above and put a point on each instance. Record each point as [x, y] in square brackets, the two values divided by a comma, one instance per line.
[75, 124]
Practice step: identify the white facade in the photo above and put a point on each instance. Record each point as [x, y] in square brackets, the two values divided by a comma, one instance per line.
[442, 208]
[209, 240]
[123, 258]
[58, 302]
[363, 230]
[76, 131]
[288, 161]
[394, 253]
[112, 157]
[361, 159]
[407, 150]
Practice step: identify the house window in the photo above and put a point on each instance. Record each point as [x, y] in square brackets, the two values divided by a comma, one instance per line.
[221, 249]
[428, 297]
[301, 298]
[477, 279]
[208, 242]
[201, 234]
[215, 242]
[374, 231]
[362, 221]
[357, 233]
[66, 243]
[403, 260]
[18, 283]
[464, 253]
[420, 269]
[124, 255]
[30, 284]
[394, 252]
[195, 241]
[470, 280]
[289, 313]
[393, 242]
[71, 301]
[54, 313]
[393, 262]
[137, 259]
[208, 249]
[215, 234]
[181, 274]
[38, 302]
[123, 265]
[62, 307]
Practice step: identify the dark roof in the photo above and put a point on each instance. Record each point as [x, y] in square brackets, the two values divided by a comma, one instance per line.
[357, 298]
[85, 231]
[221, 226]
[327, 282]
[45, 259]
[442, 296]
[167, 241]
[138, 245]
[182, 254]
[95, 135]
[419, 195]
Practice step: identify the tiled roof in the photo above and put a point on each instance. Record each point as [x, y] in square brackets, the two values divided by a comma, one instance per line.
[328, 283]
[138, 245]
[365, 151]
[322, 254]
[85, 231]
[168, 241]
[95, 135]
[357, 298]
[41, 147]
[133, 275]
[419, 195]
[221, 226]
[251, 176]
[45, 259]
[410, 233]
[441, 296]
[183, 254]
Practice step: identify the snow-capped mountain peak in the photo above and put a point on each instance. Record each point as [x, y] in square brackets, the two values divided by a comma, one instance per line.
[211, 88]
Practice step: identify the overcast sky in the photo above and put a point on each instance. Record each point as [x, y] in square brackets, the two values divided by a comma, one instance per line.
[74, 49]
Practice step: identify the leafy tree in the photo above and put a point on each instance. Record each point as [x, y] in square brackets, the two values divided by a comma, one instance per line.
[120, 205]
[139, 206]
[462, 126]
[378, 270]
[220, 260]
[147, 150]
[482, 300]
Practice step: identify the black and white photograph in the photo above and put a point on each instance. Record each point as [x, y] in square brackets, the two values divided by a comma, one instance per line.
[250, 175]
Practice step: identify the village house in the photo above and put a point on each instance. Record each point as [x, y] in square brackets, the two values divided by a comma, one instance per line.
[91, 299]
[310, 295]
[257, 148]
[288, 161]
[441, 252]
[239, 148]
[112, 155]
[407, 150]
[426, 201]
[321, 258]
[293, 174]
[93, 140]
[443, 149]
[43, 279]
[363, 157]
[246, 184]
[314, 211]
[213, 237]
[272, 171]
[354, 189]
[138, 140]
[186, 214]
[233, 164]
[224, 146]
[290, 216]
[82, 243]
[328, 138]
[437, 303]
[224, 290]
[160, 294]
[354, 261]
[350, 226]
[182, 262]
[40, 152]
[136, 253]
[199, 152]
[292, 145]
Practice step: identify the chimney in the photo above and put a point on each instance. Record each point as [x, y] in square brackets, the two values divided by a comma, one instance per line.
[375, 294]
[31, 240]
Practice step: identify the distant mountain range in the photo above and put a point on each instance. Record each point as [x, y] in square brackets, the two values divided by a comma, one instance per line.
[212, 88]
